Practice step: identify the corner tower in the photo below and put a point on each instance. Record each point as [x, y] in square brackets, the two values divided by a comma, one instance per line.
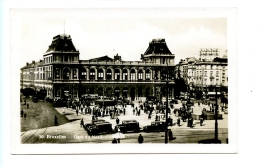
[61, 50]
[158, 53]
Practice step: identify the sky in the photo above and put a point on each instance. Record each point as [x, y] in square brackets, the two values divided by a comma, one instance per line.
[100, 32]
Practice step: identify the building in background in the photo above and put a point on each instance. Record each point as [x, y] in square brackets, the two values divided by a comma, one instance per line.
[62, 74]
[206, 74]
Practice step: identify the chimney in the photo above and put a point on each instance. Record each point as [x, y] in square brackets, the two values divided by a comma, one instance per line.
[33, 62]
[27, 64]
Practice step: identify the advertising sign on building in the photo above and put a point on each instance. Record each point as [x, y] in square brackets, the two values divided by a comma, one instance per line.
[208, 53]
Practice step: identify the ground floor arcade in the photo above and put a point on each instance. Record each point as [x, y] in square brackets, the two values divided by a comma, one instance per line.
[128, 91]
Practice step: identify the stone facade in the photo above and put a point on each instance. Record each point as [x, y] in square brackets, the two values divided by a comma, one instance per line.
[62, 74]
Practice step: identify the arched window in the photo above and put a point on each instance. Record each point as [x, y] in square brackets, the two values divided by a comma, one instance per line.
[100, 74]
[140, 75]
[92, 74]
[125, 74]
[117, 74]
[132, 76]
[66, 73]
[147, 74]
[109, 74]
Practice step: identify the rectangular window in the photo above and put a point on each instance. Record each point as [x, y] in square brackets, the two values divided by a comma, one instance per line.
[57, 73]
[211, 73]
[132, 77]
[147, 76]
[140, 76]
[100, 75]
[205, 73]
[117, 77]
[125, 76]
[217, 73]
[66, 58]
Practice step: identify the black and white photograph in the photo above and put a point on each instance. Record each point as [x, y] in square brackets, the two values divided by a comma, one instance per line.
[101, 77]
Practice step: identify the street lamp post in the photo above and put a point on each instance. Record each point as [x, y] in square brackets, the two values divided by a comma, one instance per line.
[216, 117]
[166, 121]
[216, 112]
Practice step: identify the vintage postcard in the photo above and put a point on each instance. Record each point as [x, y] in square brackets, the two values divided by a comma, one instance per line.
[123, 80]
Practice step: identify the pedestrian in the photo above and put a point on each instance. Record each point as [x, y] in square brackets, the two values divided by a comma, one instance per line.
[156, 117]
[133, 111]
[202, 116]
[139, 112]
[81, 123]
[93, 117]
[183, 117]
[81, 108]
[170, 134]
[140, 139]
[149, 116]
[27, 105]
[24, 115]
[110, 113]
[201, 121]
[77, 111]
[114, 141]
[117, 120]
[124, 111]
[118, 140]
[55, 120]
[188, 122]
[199, 104]
[191, 122]
[179, 121]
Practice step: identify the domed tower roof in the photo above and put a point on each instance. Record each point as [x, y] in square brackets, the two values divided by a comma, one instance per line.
[158, 46]
[63, 43]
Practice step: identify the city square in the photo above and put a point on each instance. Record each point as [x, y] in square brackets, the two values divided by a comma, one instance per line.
[70, 131]
[69, 96]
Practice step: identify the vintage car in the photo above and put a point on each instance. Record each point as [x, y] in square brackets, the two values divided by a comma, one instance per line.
[128, 125]
[93, 122]
[99, 128]
[156, 126]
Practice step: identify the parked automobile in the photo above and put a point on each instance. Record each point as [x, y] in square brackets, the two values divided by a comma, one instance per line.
[99, 128]
[93, 122]
[156, 126]
[128, 125]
